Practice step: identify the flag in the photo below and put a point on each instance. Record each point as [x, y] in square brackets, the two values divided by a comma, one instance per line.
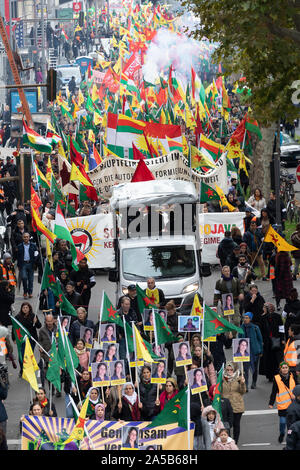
[137, 155]
[35, 201]
[67, 358]
[251, 125]
[175, 411]
[163, 332]
[216, 404]
[35, 140]
[38, 225]
[65, 306]
[212, 150]
[223, 199]
[143, 300]
[142, 173]
[207, 193]
[53, 371]
[41, 178]
[48, 279]
[174, 145]
[20, 335]
[273, 237]
[108, 313]
[30, 366]
[77, 176]
[198, 159]
[196, 308]
[78, 432]
[141, 349]
[61, 230]
[215, 324]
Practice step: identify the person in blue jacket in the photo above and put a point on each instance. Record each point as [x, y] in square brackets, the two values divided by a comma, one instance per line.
[252, 332]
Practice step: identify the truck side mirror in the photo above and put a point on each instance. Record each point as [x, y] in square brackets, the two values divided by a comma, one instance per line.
[113, 276]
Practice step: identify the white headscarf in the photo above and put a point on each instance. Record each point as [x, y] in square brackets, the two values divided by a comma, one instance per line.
[131, 398]
[89, 392]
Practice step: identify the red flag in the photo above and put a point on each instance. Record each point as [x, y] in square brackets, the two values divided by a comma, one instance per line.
[240, 131]
[137, 155]
[75, 156]
[142, 173]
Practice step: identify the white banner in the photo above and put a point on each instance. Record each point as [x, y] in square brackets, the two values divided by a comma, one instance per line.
[212, 226]
[114, 171]
[92, 236]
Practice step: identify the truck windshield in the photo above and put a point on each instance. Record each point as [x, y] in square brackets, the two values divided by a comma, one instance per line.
[160, 262]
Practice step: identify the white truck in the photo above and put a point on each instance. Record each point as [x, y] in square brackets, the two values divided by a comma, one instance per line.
[173, 259]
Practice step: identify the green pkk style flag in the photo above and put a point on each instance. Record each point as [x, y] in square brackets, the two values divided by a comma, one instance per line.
[20, 334]
[216, 404]
[64, 304]
[163, 332]
[67, 357]
[53, 371]
[143, 300]
[215, 324]
[48, 280]
[109, 313]
[175, 411]
[252, 126]
[208, 193]
[58, 195]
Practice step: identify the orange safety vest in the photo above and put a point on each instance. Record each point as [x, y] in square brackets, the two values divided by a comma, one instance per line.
[290, 353]
[2, 196]
[283, 397]
[3, 348]
[11, 275]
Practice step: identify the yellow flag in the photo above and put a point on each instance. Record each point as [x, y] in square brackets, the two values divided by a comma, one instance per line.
[223, 199]
[104, 64]
[49, 169]
[91, 136]
[141, 350]
[49, 254]
[61, 150]
[109, 153]
[97, 118]
[273, 237]
[197, 309]
[77, 176]
[78, 432]
[199, 159]
[30, 366]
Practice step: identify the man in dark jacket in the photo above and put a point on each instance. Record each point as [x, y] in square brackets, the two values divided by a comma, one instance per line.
[293, 437]
[27, 256]
[225, 248]
[72, 296]
[82, 320]
[253, 238]
[254, 303]
[84, 280]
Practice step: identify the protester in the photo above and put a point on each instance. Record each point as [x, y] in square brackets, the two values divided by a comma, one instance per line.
[283, 277]
[254, 303]
[211, 426]
[84, 280]
[82, 321]
[129, 407]
[224, 441]
[257, 201]
[233, 388]
[291, 311]
[283, 384]
[252, 332]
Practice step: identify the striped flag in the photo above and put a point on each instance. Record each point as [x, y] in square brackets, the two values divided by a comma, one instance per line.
[35, 140]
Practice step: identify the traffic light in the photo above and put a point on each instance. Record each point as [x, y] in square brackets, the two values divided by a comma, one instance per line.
[51, 84]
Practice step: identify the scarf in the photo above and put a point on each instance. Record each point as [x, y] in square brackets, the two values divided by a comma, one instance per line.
[130, 398]
[164, 398]
[234, 376]
[99, 405]
[153, 295]
[44, 403]
[94, 402]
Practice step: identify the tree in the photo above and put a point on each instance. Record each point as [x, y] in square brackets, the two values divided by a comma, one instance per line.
[260, 40]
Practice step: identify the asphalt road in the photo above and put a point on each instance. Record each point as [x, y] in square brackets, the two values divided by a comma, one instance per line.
[259, 425]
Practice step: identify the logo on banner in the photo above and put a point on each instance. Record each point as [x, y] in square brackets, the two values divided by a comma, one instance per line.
[82, 239]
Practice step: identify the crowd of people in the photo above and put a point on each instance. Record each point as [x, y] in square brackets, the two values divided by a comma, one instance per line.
[245, 259]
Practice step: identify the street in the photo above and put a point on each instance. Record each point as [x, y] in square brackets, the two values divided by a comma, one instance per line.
[259, 424]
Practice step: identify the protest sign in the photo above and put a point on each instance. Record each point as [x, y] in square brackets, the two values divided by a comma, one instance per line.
[106, 435]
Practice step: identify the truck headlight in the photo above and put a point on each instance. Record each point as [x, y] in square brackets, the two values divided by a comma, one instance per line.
[191, 288]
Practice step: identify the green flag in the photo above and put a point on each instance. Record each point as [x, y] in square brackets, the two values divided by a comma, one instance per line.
[48, 280]
[163, 332]
[215, 324]
[65, 306]
[143, 300]
[216, 404]
[175, 411]
[208, 193]
[20, 335]
[53, 371]
[67, 357]
[109, 313]
[130, 342]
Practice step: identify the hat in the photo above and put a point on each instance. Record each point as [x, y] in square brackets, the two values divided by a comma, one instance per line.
[296, 391]
[248, 209]
[131, 287]
[248, 314]
[51, 212]
[6, 256]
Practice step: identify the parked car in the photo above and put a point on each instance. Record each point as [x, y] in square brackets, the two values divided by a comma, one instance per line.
[289, 150]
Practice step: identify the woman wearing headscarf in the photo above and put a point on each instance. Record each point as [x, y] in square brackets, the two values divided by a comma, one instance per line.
[171, 389]
[100, 412]
[94, 399]
[211, 425]
[272, 331]
[82, 353]
[233, 388]
[283, 384]
[128, 408]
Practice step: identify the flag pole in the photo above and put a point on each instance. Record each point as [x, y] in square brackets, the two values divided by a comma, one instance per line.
[30, 337]
[136, 360]
[127, 350]
[188, 416]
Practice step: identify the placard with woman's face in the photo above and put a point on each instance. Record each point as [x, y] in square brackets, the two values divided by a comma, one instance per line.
[87, 335]
[241, 349]
[197, 380]
[182, 353]
[188, 323]
[159, 350]
[117, 372]
[111, 351]
[159, 372]
[100, 374]
[227, 304]
[108, 333]
[96, 355]
[65, 322]
[148, 319]
[130, 438]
